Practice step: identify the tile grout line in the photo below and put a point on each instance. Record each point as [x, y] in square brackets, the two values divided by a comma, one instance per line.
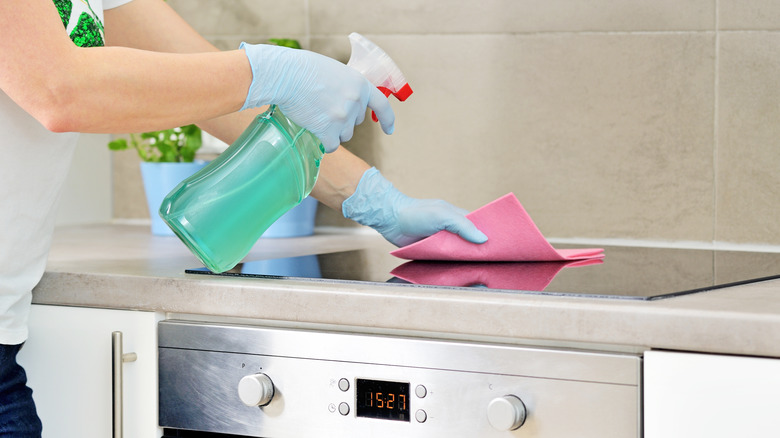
[716, 127]
[307, 24]
[308, 34]
[715, 133]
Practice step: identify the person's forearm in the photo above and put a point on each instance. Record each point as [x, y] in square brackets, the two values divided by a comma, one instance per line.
[110, 89]
[340, 172]
[129, 26]
[116, 89]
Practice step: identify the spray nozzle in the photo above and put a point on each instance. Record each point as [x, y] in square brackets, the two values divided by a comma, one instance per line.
[370, 60]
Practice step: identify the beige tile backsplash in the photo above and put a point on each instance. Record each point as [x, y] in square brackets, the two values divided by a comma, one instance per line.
[749, 14]
[607, 118]
[748, 156]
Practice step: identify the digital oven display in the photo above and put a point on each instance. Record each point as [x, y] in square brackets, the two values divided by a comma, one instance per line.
[380, 399]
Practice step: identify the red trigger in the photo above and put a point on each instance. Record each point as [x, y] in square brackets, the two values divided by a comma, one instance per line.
[401, 95]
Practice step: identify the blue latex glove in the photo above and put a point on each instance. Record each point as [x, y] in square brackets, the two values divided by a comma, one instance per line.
[318, 93]
[403, 220]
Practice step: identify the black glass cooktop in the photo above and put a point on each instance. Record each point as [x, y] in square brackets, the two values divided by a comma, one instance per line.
[626, 272]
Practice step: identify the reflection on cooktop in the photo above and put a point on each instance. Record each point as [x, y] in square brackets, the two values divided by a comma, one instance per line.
[626, 272]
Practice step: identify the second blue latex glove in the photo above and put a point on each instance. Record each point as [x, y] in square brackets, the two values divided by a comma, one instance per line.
[320, 94]
[403, 220]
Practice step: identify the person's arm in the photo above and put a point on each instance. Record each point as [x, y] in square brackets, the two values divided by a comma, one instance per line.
[129, 26]
[123, 89]
[110, 89]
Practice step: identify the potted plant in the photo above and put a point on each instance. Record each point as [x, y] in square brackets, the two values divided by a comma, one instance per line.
[167, 158]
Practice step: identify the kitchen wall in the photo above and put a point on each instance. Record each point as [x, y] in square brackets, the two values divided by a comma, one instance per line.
[631, 119]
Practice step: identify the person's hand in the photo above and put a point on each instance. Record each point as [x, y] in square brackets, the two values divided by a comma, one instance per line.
[318, 93]
[403, 220]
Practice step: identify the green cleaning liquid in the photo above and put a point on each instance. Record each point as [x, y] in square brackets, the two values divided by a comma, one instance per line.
[222, 210]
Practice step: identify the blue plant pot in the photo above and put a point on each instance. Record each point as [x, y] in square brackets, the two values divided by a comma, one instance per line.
[159, 179]
[297, 222]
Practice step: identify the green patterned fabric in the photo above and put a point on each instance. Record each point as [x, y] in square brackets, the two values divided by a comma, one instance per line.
[88, 30]
[64, 7]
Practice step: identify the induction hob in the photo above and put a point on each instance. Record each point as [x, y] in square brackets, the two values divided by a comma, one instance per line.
[638, 273]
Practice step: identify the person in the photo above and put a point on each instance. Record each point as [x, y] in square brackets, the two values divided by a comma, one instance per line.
[103, 66]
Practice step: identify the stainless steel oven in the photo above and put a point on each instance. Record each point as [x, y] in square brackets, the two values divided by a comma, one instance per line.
[252, 381]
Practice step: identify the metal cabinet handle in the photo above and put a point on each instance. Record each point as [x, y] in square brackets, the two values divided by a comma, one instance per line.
[117, 359]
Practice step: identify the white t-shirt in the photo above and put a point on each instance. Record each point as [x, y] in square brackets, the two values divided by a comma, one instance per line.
[33, 168]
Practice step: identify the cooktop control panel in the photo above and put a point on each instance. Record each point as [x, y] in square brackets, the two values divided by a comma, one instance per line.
[278, 383]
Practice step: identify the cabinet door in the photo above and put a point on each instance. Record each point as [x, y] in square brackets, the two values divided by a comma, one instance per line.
[702, 395]
[68, 361]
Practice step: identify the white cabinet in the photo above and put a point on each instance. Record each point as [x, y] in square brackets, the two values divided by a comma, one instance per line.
[68, 361]
[690, 395]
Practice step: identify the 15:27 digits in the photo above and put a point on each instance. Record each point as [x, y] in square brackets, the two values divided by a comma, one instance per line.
[381, 400]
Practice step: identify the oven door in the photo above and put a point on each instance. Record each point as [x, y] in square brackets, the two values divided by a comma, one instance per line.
[265, 382]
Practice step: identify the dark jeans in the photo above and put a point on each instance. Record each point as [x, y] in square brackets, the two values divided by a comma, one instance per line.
[18, 418]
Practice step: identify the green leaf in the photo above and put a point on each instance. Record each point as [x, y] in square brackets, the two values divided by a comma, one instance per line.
[191, 142]
[286, 42]
[166, 149]
[187, 156]
[118, 145]
[190, 130]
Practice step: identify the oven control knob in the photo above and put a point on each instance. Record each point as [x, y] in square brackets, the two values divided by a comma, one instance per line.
[506, 413]
[256, 390]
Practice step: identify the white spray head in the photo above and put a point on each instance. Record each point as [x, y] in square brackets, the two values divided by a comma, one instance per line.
[377, 67]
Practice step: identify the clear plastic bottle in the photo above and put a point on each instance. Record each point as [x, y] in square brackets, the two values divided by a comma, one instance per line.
[221, 211]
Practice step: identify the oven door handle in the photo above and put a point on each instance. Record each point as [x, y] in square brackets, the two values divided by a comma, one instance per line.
[117, 359]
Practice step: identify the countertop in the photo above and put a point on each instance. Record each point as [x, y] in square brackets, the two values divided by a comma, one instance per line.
[125, 267]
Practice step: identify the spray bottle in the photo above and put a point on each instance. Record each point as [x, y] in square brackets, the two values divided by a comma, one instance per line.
[223, 209]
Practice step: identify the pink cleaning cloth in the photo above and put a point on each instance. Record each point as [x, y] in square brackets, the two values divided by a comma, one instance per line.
[528, 276]
[512, 237]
